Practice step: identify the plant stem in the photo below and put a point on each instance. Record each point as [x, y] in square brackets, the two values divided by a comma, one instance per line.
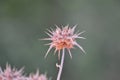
[61, 65]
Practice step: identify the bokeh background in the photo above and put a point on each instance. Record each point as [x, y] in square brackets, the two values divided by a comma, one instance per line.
[23, 22]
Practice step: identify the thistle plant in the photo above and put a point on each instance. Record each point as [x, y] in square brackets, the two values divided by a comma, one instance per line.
[62, 39]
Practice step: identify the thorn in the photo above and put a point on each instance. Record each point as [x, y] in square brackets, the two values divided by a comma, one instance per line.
[48, 51]
[58, 54]
[80, 33]
[69, 53]
[48, 34]
[81, 37]
[55, 51]
[80, 47]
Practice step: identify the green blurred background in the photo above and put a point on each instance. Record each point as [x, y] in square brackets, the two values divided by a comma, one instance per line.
[23, 22]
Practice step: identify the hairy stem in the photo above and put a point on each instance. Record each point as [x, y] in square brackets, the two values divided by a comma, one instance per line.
[61, 65]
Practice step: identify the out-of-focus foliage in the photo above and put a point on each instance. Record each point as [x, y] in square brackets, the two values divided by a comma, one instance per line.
[23, 22]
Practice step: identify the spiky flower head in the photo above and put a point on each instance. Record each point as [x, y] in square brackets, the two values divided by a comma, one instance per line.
[11, 74]
[37, 76]
[64, 37]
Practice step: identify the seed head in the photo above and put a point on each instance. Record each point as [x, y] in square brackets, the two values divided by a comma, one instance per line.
[63, 38]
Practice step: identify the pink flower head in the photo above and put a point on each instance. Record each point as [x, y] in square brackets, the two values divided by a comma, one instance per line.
[11, 74]
[14, 74]
[63, 38]
[37, 76]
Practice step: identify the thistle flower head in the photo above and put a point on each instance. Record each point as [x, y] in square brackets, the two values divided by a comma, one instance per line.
[64, 37]
[37, 76]
[14, 74]
[11, 74]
